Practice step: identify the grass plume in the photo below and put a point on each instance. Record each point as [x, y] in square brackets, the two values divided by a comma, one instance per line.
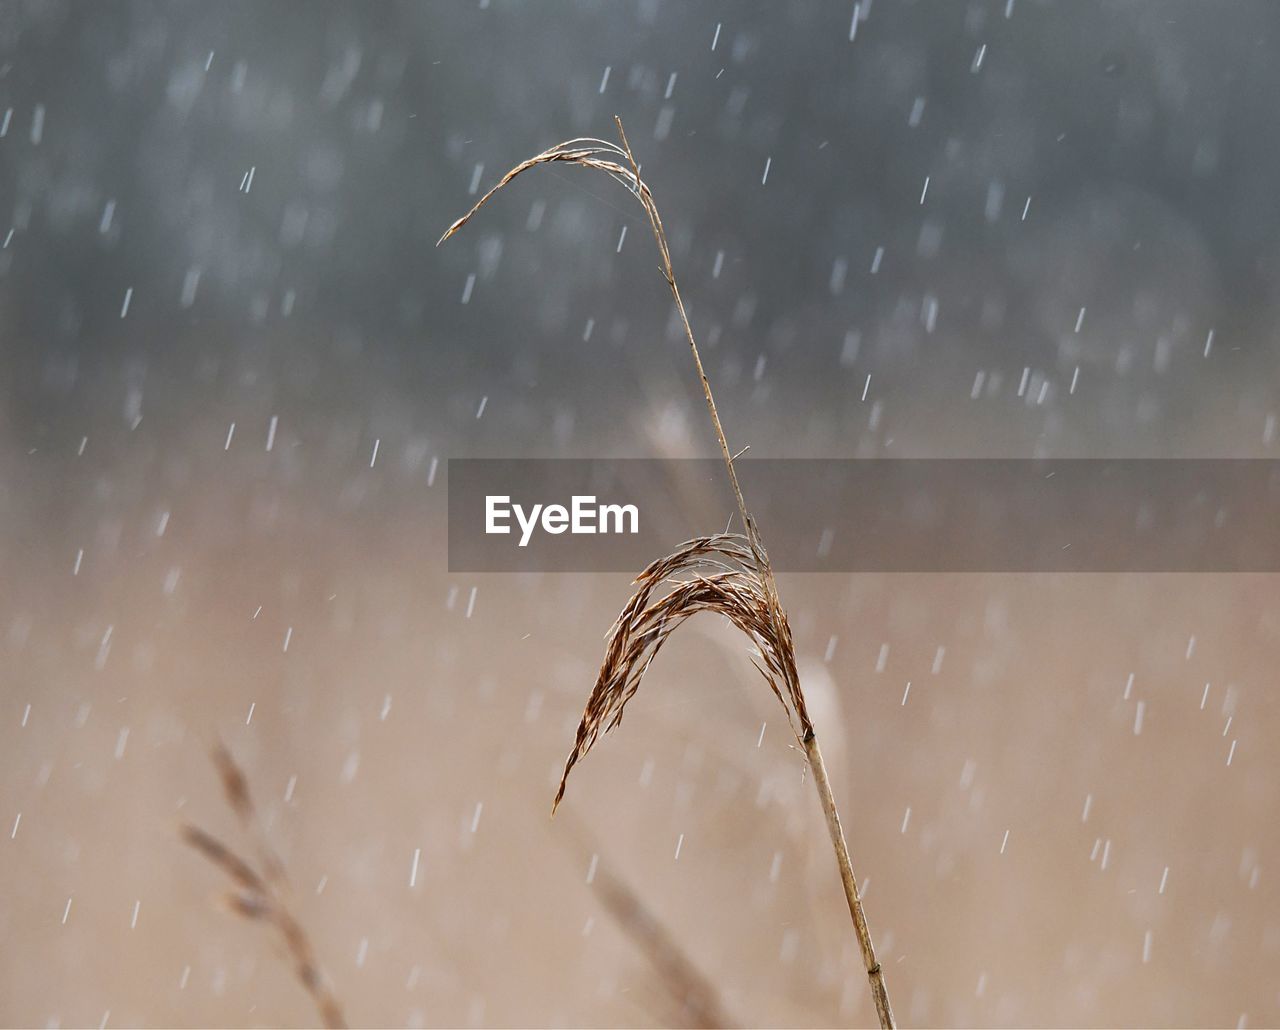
[729, 574]
[708, 574]
[262, 894]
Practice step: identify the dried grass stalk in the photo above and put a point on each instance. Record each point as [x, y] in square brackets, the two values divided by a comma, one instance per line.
[729, 574]
[263, 895]
[696, 997]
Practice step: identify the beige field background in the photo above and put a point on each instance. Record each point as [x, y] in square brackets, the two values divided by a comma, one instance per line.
[418, 711]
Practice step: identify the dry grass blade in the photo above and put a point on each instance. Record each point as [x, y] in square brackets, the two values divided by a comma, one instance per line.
[225, 859]
[693, 994]
[263, 896]
[726, 574]
[235, 788]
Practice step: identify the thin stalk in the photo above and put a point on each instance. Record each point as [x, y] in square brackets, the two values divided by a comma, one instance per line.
[850, 883]
[669, 274]
[812, 752]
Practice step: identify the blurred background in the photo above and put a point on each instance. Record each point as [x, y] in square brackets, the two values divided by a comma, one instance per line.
[233, 365]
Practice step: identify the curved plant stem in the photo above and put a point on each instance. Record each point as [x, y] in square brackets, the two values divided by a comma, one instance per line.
[743, 587]
[812, 752]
